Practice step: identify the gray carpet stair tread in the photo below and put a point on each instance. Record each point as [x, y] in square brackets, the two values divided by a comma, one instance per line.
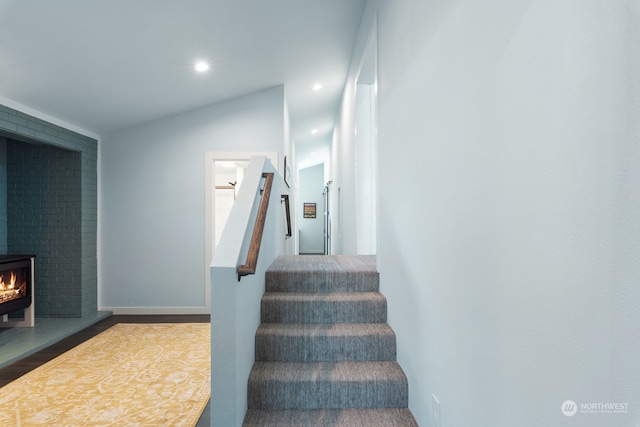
[340, 307]
[378, 417]
[325, 342]
[346, 371]
[312, 385]
[334, 263]
[321, 273]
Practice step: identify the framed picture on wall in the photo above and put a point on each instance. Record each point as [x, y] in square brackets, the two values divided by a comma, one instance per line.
[309, 210]
[287, 173]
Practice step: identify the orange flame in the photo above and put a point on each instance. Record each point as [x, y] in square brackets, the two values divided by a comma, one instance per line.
[12, 289]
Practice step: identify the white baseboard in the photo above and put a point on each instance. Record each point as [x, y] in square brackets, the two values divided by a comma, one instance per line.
[156, 310]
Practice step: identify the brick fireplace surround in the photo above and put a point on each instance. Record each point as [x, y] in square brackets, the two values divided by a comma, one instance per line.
[48, 207]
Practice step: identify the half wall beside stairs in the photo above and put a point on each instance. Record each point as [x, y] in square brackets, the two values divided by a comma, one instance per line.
[235, 306]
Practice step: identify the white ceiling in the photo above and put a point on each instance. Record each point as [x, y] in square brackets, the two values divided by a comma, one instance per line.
[106, 65]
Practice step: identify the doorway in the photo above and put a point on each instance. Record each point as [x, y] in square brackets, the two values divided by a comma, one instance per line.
[311, 220]
[228, 176]
[230, 166]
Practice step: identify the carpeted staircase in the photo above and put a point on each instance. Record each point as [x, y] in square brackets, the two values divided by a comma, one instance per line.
[325, 355]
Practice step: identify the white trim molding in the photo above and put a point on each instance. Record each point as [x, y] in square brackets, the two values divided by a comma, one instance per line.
[156, 310]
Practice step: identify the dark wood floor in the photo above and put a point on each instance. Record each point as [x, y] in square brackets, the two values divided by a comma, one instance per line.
[21, 367]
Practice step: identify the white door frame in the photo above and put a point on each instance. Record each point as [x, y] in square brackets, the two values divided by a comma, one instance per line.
[210, 157]
[366, 143]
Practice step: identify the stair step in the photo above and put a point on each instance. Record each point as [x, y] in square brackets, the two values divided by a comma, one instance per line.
[382, 417]
[336, 307]
[322, 273]
[311, 342]
[315, 385]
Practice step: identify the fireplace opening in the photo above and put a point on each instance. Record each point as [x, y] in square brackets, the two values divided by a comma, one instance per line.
[15, 283]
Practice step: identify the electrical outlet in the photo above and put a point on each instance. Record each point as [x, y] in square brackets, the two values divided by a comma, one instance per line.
[435, 411]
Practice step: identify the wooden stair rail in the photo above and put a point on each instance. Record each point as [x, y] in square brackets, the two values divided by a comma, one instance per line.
[285, 198]
[249, 266]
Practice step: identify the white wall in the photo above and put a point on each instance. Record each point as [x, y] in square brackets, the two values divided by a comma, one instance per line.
[511, 257]
[152, 199]
[235, 305]
[343, 189]
[345, 192]
[366, 227]
[311, 184]
[290, 152]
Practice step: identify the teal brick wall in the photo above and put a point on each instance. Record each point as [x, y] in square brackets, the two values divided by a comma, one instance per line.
[44, 212]
[63, 171]
[3, 196]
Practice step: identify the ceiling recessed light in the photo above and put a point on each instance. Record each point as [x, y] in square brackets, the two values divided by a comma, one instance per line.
[316, 87]
[201, 66]
[314, 131]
